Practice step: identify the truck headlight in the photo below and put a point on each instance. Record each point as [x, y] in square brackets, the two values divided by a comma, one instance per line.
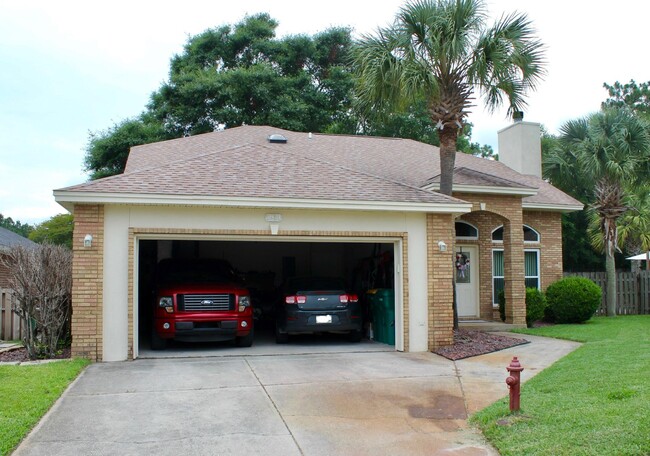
[244, 301]
[167, 303]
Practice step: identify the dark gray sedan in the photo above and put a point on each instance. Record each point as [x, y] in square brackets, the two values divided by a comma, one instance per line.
[317, 304]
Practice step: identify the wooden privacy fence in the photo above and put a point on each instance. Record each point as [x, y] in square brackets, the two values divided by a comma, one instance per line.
[632, 291]
[10, 324]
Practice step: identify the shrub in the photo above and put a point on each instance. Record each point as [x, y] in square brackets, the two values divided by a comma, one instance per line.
[501, 297]
[41, 278]
[573, 299]
[535, 305]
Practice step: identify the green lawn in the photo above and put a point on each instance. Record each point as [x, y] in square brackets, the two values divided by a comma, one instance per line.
[595, 401]
[27, 392]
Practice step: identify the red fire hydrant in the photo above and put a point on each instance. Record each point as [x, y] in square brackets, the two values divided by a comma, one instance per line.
[514, 383]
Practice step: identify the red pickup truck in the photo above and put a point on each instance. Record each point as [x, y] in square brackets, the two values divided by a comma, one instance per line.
[200, 301]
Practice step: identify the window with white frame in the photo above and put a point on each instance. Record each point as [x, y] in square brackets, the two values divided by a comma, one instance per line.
[531, 269]
[531, 272]
[498, 278]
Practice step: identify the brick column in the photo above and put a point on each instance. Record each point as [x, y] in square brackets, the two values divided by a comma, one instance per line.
[513, 266]
[440, 227]
[87, 282]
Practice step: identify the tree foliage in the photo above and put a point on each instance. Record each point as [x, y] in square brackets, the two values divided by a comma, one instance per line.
[632, 95]
[602, 156]
[107, 150]
[242, 74]
[22, 229]
[56, 230]
[41, 278]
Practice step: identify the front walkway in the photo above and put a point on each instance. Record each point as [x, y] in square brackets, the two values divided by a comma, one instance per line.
[373, 403]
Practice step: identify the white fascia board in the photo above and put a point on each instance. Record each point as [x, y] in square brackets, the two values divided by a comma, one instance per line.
[487, 190]
[67, 199]
[553, 207]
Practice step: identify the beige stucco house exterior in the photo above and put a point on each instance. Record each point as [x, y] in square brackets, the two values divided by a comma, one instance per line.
[317, 202]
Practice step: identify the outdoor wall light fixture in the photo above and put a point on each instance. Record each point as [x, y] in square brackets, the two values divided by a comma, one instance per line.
[442, 246]
[88, 240]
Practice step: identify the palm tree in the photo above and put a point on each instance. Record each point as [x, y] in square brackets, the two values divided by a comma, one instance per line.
[612, 148]
[633, 226]
[442, 52]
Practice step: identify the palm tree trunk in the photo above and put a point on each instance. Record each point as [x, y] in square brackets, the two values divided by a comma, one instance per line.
[448, 137]
[610, 206]
[610, 271]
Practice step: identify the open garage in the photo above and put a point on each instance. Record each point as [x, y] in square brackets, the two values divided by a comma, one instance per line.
[263, 266]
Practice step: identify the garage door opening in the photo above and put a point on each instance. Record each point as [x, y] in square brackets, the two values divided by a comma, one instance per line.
[265, 269]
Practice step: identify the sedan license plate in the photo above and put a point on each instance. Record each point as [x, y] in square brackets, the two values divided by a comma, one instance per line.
[323, 319]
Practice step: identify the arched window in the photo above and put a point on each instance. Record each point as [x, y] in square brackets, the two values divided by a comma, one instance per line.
[465, 230]
[530, 235]
[497, 234]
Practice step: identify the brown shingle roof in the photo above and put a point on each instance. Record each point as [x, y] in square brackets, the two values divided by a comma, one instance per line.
[467, 176]
[260, 171]
[241, 162]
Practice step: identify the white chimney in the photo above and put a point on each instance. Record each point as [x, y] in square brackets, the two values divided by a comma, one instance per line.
[520, 147]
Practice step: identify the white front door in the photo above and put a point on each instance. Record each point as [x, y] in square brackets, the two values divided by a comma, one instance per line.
[466, 270]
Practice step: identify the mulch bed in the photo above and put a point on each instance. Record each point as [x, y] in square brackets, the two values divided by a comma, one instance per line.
[20, 355]
[474, 343]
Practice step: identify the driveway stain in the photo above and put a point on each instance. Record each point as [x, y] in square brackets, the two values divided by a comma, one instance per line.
[445, 407]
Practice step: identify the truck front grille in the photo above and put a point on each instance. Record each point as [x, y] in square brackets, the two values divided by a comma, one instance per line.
[206, 302]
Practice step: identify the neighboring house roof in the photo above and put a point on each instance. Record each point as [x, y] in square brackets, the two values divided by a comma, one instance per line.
[9, 239]
[241, 165]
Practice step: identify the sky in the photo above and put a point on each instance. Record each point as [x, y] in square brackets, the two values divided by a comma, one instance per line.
[68, 68]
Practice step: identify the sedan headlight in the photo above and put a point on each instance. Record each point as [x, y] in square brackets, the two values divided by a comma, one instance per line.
[167, 303]
[244, 301]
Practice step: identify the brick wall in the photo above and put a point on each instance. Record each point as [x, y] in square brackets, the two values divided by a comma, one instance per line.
[499, 210]
[87, 282]
[440, 227]
[549, 227]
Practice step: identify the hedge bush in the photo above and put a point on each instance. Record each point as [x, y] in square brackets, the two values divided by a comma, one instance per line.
[535, 306]
[573, 299]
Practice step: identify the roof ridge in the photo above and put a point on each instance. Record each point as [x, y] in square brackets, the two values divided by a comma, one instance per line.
[348, 135]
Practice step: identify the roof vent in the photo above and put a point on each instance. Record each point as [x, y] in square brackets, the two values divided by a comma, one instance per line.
[279, 139]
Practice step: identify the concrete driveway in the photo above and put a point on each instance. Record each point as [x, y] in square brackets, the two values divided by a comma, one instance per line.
[337, 403]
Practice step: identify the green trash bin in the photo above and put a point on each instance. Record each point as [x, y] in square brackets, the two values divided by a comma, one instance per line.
[382, 305]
